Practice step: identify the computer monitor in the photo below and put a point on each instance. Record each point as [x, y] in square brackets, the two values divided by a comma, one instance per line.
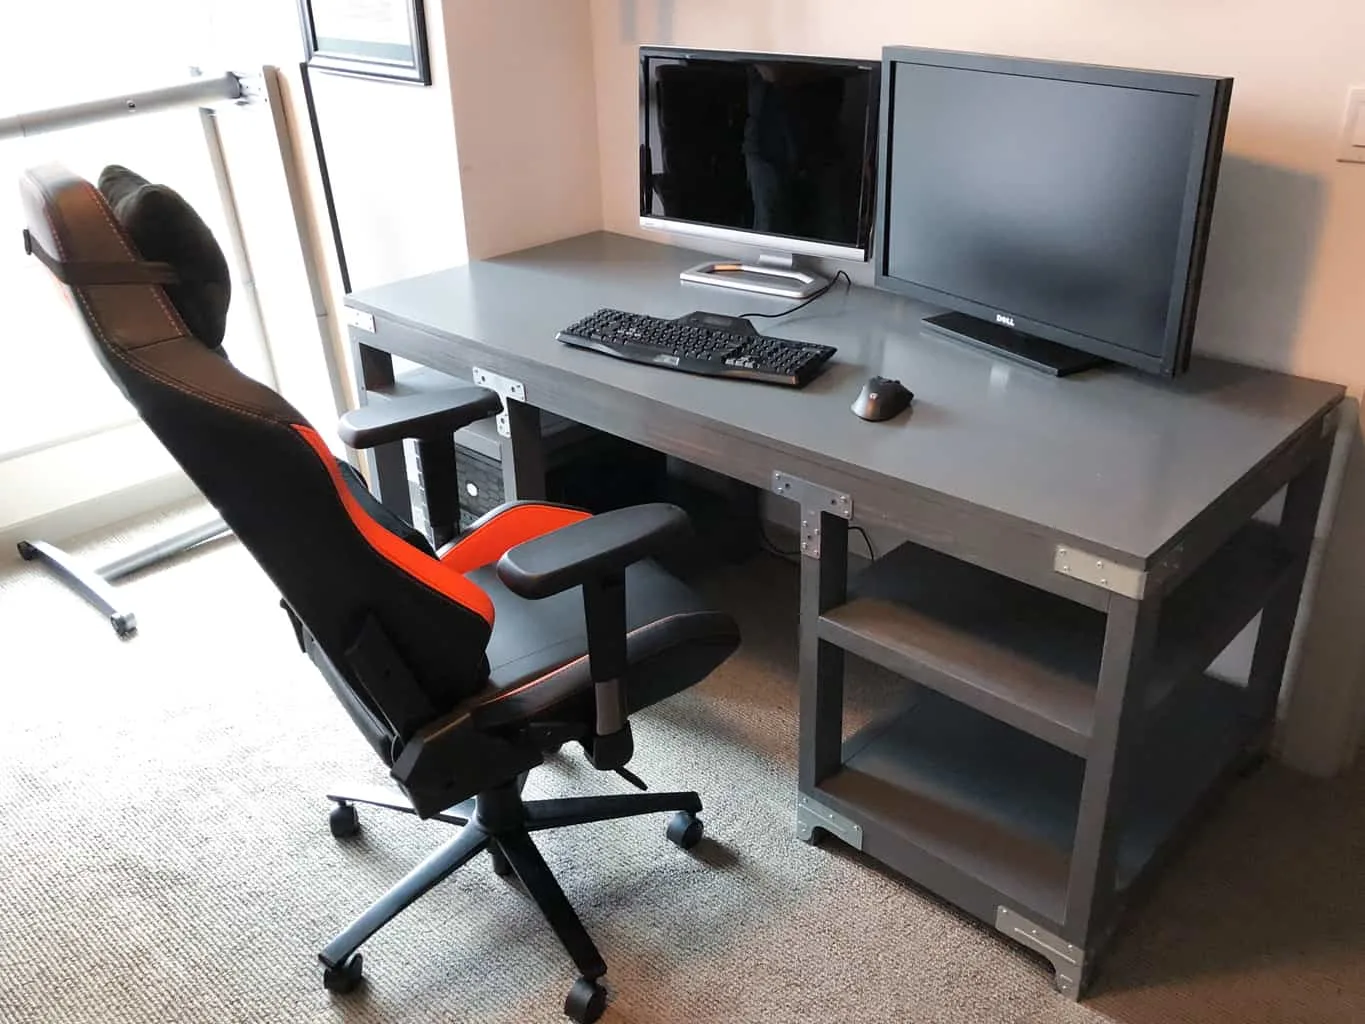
[773, 150]
[1059, 211]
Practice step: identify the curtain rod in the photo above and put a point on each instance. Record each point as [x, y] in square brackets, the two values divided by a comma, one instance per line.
[195, 92]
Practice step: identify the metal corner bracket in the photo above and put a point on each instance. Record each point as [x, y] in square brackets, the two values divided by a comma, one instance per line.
[357, 318]
[507, 389]
[1088, 568]
[814, 500]
[811, 814]
[1068, 961]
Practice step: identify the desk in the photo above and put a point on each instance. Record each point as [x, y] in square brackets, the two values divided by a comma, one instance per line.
[1101, 544]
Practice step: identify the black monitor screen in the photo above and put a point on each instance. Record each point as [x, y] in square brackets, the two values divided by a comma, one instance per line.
[774, 145]
[1059, 201]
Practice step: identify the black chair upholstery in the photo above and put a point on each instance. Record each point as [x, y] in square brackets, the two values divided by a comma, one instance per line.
[540, 626]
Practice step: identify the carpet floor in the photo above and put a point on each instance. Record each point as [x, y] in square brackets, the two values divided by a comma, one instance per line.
[164, 854]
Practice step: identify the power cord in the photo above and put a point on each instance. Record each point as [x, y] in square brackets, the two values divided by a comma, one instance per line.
[801, 305]
[773, 549]
[871, 551]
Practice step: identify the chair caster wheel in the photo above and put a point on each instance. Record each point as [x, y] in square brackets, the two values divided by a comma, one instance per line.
[344, 821]
[585, 1001]
[501, 866]
[345, 977]
[685, 830]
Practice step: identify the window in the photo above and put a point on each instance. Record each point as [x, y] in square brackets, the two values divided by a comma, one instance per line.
[56, 391]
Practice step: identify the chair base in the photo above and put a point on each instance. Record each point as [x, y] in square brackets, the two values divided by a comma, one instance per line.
[501, 822]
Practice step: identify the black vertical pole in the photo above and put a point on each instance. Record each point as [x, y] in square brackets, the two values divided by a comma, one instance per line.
[326, 178]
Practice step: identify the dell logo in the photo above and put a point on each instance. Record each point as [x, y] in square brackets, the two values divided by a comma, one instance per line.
[1001, 318]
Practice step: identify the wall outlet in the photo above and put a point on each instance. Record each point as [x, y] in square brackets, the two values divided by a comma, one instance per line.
[1351, 148]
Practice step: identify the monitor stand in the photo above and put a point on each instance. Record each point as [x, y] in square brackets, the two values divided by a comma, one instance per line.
[774, 274]
[1017, 346]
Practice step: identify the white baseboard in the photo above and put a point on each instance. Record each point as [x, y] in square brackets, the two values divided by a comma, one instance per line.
[102, 513]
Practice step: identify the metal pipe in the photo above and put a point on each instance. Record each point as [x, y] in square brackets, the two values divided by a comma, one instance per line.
[208, 119]
[161, 550]
[197, 91]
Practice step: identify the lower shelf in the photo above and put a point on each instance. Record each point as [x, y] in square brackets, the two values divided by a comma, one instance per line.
[995, 807]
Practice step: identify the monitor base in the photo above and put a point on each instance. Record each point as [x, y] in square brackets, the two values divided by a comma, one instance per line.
[774, 274]
[1038, 353]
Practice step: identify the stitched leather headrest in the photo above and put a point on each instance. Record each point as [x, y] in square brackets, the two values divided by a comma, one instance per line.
[167, 229]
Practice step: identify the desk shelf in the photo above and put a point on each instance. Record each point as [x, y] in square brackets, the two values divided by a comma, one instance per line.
[1008, 650]
[1031, 659]
[994, 810]
[977, 791]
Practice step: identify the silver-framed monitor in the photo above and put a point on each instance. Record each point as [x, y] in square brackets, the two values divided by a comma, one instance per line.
[777, 151]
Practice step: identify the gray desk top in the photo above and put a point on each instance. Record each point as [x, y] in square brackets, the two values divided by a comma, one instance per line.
[1118, 459]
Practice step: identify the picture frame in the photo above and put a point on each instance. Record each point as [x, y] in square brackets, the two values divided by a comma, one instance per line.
[384, 39]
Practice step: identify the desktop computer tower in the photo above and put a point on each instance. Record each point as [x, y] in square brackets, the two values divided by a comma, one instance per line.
[596, 471]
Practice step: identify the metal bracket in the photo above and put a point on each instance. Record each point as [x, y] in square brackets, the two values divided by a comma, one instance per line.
[814, 499]
[1088, 568]
[811, 814]
[507, 388]
[1067, 961]
[252, 84]
[358, 319]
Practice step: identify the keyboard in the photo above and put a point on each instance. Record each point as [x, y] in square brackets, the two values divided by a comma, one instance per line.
[706, 343]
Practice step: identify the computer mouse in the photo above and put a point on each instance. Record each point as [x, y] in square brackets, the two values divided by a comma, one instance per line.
[881, 398]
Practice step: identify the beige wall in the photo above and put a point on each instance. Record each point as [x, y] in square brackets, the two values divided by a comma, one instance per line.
[1286, 263]
[525, 120]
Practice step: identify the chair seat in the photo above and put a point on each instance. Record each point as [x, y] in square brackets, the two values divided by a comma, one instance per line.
[537, 656]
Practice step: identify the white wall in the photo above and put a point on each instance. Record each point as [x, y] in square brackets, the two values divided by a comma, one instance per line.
[1283, 277]
[521, 80]
[391, 156]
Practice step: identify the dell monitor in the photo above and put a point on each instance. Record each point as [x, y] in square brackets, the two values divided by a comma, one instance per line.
[771, 150]
[1058, 211]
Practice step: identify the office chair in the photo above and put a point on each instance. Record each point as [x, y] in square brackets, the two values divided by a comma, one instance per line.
[540, 626]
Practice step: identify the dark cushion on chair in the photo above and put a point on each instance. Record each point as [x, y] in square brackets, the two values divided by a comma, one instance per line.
[166, 229]
[537, 654]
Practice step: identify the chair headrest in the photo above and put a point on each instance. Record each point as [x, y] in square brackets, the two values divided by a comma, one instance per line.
[166, 229]
[128, 233]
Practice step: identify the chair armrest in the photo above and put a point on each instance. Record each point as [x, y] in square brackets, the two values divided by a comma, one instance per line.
[590, 549]
[594, 553]
[420, 416]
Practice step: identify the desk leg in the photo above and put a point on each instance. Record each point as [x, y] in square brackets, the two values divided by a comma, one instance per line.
[439, 487]
[1298, 521]
[1128, 641]
[824, 584]
[523, 455]
[384, 465]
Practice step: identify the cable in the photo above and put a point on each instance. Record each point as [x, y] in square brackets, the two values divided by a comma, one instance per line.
[773, 549]
[807, 302]
[871, 551]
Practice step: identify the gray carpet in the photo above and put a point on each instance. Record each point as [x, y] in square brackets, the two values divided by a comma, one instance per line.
[164, 855]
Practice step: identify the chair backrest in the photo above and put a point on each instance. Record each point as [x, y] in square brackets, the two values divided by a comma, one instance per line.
[272, 478]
